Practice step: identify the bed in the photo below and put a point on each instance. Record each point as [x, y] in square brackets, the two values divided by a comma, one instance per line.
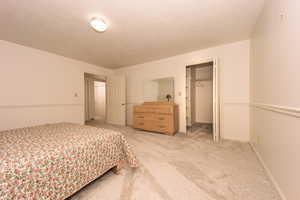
[54, 161]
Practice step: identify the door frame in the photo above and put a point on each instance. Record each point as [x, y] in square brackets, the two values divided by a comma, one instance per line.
[216, 95]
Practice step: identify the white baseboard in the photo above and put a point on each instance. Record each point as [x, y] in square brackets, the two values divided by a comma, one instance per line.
[271, 177]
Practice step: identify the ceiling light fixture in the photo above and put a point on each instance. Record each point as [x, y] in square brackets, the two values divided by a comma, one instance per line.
[98, 24]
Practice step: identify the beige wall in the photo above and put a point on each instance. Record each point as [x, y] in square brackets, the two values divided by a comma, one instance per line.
[39, 87]
[275, 82]
[234, 84]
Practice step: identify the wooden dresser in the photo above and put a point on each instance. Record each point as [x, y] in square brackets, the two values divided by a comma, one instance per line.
[157, 117]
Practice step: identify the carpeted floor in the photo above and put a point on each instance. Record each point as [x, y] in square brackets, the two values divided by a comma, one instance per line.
[183, 168]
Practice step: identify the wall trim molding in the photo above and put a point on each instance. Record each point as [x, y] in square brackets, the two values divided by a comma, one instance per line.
[268, 171]
[37, 106]
[291, 111]
[235, 103]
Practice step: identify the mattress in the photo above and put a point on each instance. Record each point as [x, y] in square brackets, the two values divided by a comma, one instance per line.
[54, 161]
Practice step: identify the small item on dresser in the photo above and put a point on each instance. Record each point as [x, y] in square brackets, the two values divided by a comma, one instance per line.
[157, 117]
[168, 97]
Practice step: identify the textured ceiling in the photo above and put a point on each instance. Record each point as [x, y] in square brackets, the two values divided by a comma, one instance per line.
[140, 30]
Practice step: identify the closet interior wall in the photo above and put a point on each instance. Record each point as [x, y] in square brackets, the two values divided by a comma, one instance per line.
[199, 91]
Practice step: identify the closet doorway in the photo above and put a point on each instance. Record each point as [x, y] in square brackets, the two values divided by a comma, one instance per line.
[202, 100]
[95, 100]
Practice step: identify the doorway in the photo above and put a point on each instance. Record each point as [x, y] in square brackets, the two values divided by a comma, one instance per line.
[202, 100]
[105, 99]
[95, 100]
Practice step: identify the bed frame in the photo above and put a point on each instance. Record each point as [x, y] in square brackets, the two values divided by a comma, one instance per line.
[117, 169]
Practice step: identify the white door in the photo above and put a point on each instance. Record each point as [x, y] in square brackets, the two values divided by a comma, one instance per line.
[216, 103]
[116, 100]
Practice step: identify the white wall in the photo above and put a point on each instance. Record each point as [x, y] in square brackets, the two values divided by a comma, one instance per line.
[204, 101]
[39, 87]
[275, 81]
[100, 100]
[204, 95]
[234, 84]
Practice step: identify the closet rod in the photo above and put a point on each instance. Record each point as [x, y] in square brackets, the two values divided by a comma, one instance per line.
[197, 80]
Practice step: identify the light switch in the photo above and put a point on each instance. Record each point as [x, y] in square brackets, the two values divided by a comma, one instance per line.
[282, 16]
[75, 95]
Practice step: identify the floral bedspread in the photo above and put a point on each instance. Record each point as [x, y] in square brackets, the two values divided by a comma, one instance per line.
[56, 160]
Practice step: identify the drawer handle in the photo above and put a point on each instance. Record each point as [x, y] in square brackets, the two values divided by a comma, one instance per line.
[141, 117]
[141, 123]
[161, 118]
[162, 127]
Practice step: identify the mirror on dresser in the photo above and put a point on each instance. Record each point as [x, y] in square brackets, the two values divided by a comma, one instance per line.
[159, 90]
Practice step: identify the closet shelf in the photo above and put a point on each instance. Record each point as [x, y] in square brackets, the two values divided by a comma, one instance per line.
[207, 79]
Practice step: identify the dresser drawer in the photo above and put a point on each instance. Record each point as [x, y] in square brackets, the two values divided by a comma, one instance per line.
[144, 116]
[143, 109]
[141, 124]
[138, 116]
[163, 118]
[164, 128]
[164, 110]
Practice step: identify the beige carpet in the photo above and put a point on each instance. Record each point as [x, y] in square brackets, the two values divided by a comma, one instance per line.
[183, 168]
